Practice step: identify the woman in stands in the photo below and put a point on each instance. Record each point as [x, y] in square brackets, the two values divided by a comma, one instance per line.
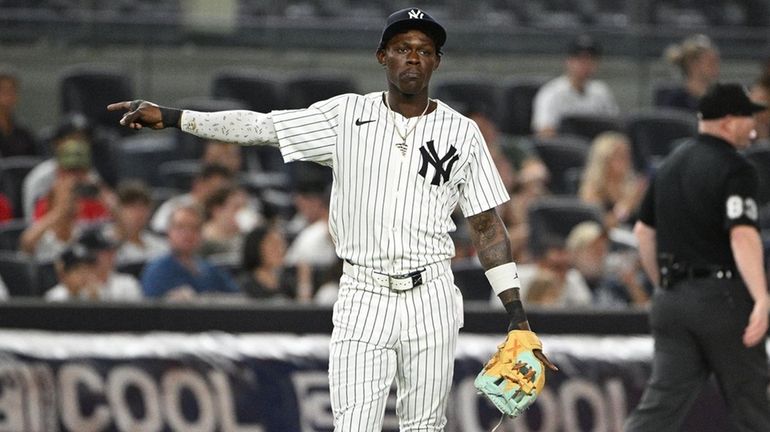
[609, 179]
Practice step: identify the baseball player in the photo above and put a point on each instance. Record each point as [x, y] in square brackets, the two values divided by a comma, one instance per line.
[401, 164]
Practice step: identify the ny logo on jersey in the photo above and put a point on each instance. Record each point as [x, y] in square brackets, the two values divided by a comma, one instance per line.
[416, 14]
[430, 156]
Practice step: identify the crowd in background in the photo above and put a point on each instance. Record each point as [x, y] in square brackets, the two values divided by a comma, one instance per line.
[120, 239]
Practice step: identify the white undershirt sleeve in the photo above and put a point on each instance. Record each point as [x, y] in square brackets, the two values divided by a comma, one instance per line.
[238, 126]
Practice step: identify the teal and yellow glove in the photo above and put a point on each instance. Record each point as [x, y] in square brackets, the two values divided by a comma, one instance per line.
[515, 375]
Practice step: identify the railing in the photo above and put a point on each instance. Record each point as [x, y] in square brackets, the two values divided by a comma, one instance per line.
[247, 316]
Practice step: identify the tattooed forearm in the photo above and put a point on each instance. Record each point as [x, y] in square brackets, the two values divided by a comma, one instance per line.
[490, 239]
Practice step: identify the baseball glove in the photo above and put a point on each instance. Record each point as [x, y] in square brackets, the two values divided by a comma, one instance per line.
[514, 376]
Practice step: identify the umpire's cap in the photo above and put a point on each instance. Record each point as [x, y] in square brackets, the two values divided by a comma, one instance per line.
[722, 100]
[413, 18]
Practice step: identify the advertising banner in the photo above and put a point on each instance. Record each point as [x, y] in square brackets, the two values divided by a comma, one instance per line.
[278, 383]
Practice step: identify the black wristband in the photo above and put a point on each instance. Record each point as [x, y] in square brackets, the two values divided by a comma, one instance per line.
[170, 117]
[516, 313]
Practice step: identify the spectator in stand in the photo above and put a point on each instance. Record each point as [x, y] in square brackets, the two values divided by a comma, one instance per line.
[760, 93]
[113, 286]
[615, 278]
[131, 216]
[183, 274]
[531, 184]
[494, 138]
[265, 275]
[69, 206]
[574, 92]
[313, 245]
[6, 209]
[229, 156]
[544, 289]
[223, 153]
[93, 199]
[210, 179]
[306, 175]
[4, 295]
[698, 60]
[221, 233]
[609, 180]
[76, 270]
[39, 182]
[15, 140]
[555, 280]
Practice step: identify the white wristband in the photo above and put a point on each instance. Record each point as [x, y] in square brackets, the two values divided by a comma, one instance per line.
[503, 277]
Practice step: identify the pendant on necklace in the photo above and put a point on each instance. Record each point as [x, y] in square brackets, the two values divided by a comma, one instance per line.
[402, 147]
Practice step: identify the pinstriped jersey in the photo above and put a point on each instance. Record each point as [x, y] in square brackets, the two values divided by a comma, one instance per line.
[391, 204]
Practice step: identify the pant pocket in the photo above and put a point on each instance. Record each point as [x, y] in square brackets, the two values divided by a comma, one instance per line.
[459, 310]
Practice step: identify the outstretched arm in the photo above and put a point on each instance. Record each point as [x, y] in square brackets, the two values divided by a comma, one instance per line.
[238, 126]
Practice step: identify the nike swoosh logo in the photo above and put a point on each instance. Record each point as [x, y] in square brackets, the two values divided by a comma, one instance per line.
[359, 122]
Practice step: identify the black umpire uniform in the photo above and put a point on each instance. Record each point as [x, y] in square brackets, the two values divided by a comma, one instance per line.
[701, 192]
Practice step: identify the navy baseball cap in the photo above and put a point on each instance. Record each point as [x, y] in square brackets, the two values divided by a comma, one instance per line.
[75, 255]
[413, 18]
[95, 239]
[722, 100]
[584, 44]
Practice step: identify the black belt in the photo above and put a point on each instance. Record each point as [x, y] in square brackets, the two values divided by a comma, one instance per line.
[671, 275]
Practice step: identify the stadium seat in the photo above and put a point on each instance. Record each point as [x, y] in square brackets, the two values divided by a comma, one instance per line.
[589, 125]
[45, 276]
[179, 174]
[565, 157]
[138, 156]
[515, 105]
[652, 131]
[17, 274]
[10, 232]
[13, 170]
[551, 219]
[661, 92]
[470, 278]
[468, 93]
[760, 157]
[304, 89]
[257, 90]
[89, 89]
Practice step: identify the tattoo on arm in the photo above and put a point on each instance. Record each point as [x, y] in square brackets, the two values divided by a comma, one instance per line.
[490, 238]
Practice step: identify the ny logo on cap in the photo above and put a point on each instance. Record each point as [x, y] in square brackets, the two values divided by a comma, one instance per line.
[416, 14]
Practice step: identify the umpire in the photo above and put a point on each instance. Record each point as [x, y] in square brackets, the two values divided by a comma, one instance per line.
[699, 242]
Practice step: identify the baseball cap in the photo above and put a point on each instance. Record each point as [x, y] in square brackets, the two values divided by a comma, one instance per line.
[72, 122]
[584, 44]
[413, 18]
[75, 255]
[95, 239]
[73, 154]
[722, 100]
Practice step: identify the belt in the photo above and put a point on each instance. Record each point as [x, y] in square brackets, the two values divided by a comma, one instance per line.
[398, 282]
[674, 274]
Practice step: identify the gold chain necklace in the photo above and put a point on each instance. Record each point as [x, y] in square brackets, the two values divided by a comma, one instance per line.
[402, 145]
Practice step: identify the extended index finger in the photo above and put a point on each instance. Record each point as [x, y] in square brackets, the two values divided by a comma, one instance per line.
[119, 106]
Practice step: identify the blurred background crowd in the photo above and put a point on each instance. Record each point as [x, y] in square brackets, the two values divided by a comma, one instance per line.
[90, 211]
